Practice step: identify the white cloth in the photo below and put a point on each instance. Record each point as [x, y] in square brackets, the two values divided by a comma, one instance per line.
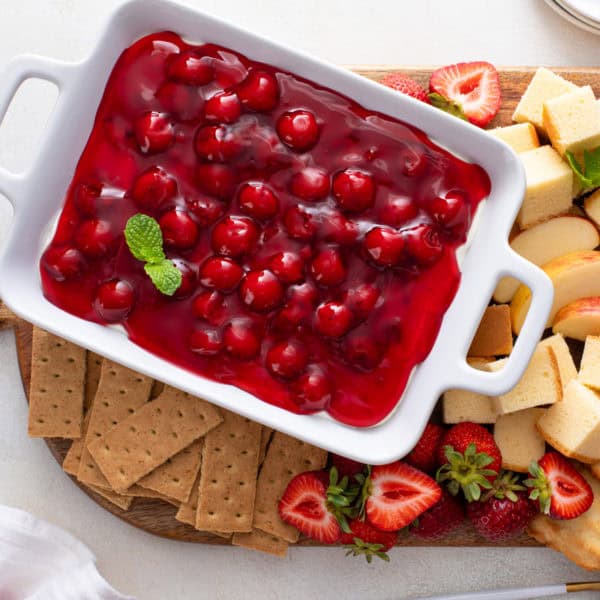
[39, 561]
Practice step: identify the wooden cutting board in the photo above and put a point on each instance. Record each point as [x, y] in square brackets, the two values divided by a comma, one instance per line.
[157, 517]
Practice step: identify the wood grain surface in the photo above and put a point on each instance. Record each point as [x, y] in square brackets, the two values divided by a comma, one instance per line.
[157, 517]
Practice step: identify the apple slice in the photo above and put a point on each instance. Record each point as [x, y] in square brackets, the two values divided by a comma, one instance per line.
[546, 241]
[575, 275]
[578, 319]
[592, 207]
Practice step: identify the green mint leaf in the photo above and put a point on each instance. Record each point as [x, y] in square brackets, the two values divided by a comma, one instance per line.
[144, 238]
[447, 105]
[591, 159]
[578, 171]
[165, 276]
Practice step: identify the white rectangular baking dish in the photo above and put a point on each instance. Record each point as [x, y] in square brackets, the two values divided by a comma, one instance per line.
[37, 197]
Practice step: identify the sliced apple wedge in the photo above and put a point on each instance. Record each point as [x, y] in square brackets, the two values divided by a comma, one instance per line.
[546, 241]
[592, 207]
[575, 275]
[578, 319]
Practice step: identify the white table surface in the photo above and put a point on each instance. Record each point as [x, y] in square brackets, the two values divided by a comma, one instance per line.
[515, 32]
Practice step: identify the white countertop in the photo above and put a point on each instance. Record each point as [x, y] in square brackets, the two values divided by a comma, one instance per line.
[505, 32]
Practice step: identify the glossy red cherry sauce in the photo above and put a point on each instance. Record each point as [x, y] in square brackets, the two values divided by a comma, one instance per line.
[316, 238]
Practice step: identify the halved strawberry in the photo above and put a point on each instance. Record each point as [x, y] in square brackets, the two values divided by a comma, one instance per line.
[562, 492]
[365, 539]
[405, 85]
[397, 494]
[473, 87]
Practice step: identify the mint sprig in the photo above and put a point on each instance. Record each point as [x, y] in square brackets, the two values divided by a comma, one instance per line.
[145, 242]
[588, 175]
[447, 105]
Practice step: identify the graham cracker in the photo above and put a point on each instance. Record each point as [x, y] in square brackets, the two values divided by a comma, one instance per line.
[72, 459]
[265, 440]
[176, 477]
[120, 393]
[261, 541]
[123, 502]
[136, 491]
[286, 458]
[92, 377]
[157, 389]
[154, 433]
[228, 477]
[56, 387]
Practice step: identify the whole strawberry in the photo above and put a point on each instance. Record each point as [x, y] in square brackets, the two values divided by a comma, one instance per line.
[423, 456]
[346, 467]
[364, 539]
[470, 460]
[440, 519]
[405, 85]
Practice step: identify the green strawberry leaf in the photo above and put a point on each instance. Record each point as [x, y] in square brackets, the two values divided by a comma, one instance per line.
[447, 105]
[165, 276]
[144, 238]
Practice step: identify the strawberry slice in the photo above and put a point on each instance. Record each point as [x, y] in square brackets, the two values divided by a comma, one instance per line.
[473, 87]
[560, 490]
[398, 494]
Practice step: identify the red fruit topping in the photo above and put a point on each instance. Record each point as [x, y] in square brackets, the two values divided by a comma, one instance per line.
[412, 161]
[180, 101]
[114, 300]
[448, 210]
[205, 341]
[234, 236]
[473, 86]
[216, 179]
[333, 319]
[298, 129]
[363, 352]
[368, 541]
[312, 392]
[207, 210]
[95, 238]
[259, 91]
[287, 359]
[338, 229]
[223, 107]
[384, 246]
[261, 291]
[191, 69]
[311, 183]
[299, 224]
[153, 188]
[354, 190]
[189, 278]
[154, 132]
[63, 262]
[559, 489]
[346, 467]
[258, 200]
[179, 229]
[424, 244]
[288, 266]
[304, 505]
[405, 85]
[216, 143]
[440, 519]
[241, 340]
[424, 455]
[361, 300]
[398, 494]
[86, 198]
[209, 305]
[328, 268]
[221, 273]
[397, 211]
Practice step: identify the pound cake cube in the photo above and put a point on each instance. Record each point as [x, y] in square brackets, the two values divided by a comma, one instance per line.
[566, 365]
[520, 137]
[539, 385]
[494, 334]
[549, 191]
[573, 425]
[572, 121]
[589, 370]
[543, 86]
[519, 440]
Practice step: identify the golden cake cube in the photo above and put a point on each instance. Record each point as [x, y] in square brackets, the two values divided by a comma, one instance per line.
[589, 370]
[566, 365]
[520, 137]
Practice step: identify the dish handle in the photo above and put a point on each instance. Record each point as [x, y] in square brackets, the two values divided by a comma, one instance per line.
[542, 293]
[19, 69]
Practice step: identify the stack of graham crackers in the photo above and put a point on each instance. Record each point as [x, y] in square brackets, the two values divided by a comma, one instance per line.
[134, 437]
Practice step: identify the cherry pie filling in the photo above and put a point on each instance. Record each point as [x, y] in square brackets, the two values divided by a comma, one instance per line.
[316, 238]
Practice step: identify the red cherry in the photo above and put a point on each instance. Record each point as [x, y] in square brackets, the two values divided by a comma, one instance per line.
[362, 351]
[241, 340]
[311, 183]
[333, 319]
[153, 188]
[298, 129]
[216, 179]
[288, 266]
[191, 69]
[449, 210]
[298, 223]
[328, 268]
[64, 262]
[361, 300]
[154, 132]
[86, 198]
[178, 229]
[207, 210]
[114, 300]
[424, 244]
[188, 279]
[397, 211]
[216, 143]
[413, 161]
[258, 200]
[205, 341]
[261, 291]
[209, 305]
[384, 246]
[338, 229]
[223, 107]
[234, 236]
[180, 101]
[312, 391]
[354, 190]
[286, 359]
[259, 91]
[95, 238]
[220, 273]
